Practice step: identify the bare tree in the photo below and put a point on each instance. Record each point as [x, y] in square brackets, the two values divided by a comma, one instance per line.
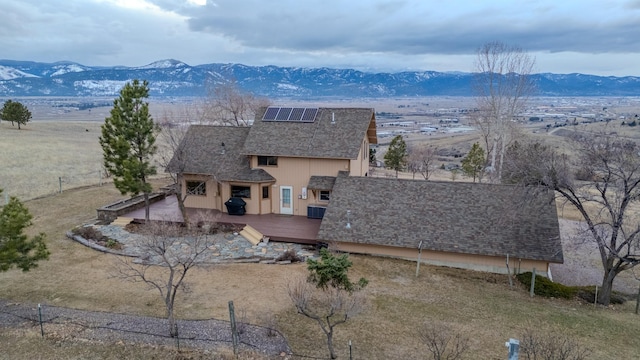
[551, 346]
[227, 104]
[176, 149]
[604, 201]
[422, 159]
[443, 342]
[502, 85]
[168, 252]
[329, 306]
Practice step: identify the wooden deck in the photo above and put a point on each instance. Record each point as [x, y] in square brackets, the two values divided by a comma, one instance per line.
[286, 228]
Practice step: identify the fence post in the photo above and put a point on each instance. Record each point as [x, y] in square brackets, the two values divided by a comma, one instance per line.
[40, 320]
[60, 184]
[234, 330]
[533, 282]
[419, 256]
[509, 274]
[175, 326]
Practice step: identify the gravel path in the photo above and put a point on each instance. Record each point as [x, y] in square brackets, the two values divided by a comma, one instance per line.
[208, 335]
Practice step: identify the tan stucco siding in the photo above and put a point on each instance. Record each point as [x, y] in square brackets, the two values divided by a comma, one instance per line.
[209, 201]
[296, 172]
[360, 166]
[464, 261]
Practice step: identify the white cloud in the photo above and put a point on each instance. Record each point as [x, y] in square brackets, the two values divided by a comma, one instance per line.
[589, 36]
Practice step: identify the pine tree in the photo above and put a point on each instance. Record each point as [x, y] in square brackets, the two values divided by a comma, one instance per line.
[128, 141]
[473, 163]
[396, 156]
[15, 112]
[16, 249]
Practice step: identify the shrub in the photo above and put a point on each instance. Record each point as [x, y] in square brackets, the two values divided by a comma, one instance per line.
[443, 342]
[89, 233]
[289, 255]
[551, 346]
[547, 288]
[588, 294]
[93, 234]
[112, 244]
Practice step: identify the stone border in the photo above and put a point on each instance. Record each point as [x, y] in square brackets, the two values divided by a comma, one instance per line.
[93, 245]
[254, 259]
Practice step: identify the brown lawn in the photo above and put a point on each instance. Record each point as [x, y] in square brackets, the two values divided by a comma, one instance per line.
[478, 304]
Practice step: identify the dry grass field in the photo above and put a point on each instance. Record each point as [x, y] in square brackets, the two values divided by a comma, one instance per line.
[399, 303]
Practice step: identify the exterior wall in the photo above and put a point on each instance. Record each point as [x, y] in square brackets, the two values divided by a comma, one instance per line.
[360, 166]
[209, 201]
[296, 172]
[464, 261]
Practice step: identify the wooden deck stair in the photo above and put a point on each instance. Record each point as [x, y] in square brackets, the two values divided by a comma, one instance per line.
[252, 235]
[122, 221]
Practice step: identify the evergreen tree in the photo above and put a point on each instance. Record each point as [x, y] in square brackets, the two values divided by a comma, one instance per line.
[15, 247]
[372, 156]
[128, 141]
[473, 163]
[396, 156]
[331, 271]
[15, 112]
[327, 295]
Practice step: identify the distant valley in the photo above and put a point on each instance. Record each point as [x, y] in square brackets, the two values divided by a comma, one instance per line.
[173, 78]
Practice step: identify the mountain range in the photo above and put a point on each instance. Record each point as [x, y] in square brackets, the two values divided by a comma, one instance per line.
[173, 78]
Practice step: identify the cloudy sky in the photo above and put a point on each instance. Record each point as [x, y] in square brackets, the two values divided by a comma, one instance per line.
[600, 37]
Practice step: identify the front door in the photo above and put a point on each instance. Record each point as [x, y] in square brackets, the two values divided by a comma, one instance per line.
[286, 200]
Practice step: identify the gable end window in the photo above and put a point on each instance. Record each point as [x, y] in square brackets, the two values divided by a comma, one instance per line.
[324, 195]
[196, 188]
[267, 160]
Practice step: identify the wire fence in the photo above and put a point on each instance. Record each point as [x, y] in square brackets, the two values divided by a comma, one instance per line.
[46, 184]
[212, 334]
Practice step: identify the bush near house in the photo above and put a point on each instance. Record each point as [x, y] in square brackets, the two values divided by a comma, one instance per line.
[547, 288]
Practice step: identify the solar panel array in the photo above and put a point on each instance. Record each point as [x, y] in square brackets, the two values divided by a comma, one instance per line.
[290, 114]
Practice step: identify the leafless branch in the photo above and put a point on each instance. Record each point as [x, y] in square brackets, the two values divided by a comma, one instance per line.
[167, 252]
[443, 342]
[328, 307]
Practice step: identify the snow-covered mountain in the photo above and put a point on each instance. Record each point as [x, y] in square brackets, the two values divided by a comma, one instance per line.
[175, 78]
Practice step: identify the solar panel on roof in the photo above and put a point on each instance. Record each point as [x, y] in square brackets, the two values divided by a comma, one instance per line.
[276, 113]
[296, 114]
[271, 113]
[283, 114]
[309, 114]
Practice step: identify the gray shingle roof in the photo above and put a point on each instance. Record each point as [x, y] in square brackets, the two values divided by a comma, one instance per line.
[321, 182]
[203, 153]
[483, 219]
[319, 139]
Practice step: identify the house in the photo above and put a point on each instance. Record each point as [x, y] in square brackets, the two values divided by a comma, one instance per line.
[457, 224]
[313, 162]
[277, 164]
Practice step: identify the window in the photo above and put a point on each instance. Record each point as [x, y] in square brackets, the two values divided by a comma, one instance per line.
[196, 188]
[265, 192]
[324, 195]
[267, 160]
[241, 191]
